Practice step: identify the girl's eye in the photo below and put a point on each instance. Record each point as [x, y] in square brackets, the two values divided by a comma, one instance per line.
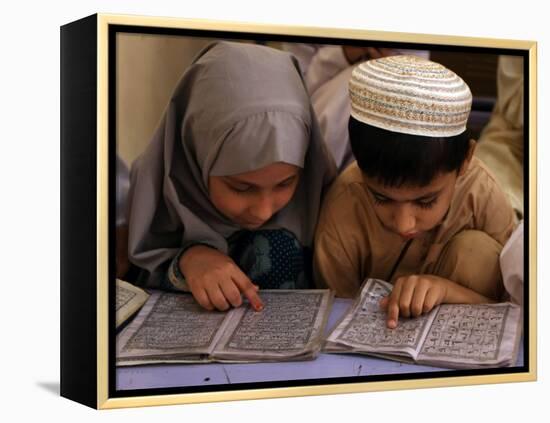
[426, 204]
[241, 188]
[286, 183]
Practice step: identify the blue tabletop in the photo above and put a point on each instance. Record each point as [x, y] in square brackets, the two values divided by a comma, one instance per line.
[324, 366]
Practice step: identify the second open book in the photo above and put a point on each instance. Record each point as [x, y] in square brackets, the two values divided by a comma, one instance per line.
[451, 335]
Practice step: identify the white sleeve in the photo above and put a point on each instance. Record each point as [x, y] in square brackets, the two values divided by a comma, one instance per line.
[122, 187]
[511, 264]
[332, 107]
[327, 62]
[303, 52]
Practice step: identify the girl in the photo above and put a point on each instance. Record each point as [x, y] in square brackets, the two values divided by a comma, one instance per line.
[225, 199]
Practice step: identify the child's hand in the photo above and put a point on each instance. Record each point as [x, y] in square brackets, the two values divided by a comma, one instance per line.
[215, 280]
[355, 54]
[414, 295]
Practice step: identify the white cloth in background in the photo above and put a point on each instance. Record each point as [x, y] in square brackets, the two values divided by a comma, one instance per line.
[511, 264]
[327, 73]
[122, 187]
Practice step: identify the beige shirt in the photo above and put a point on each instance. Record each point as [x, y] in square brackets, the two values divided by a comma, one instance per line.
[501, 142]
[351, 244]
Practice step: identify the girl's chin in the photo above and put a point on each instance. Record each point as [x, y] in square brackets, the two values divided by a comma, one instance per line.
[251, 225]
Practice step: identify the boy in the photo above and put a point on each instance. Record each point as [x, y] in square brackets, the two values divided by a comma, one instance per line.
[415, 209]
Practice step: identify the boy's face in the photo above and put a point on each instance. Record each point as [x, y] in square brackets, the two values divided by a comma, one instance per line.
[410, 211]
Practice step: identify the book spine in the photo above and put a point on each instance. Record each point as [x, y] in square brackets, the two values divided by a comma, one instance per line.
[78, 211]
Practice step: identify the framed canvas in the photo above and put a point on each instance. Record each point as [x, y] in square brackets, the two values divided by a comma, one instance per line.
[118, 74]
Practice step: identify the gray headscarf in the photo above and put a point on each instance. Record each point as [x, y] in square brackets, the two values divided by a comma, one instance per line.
[238, 108]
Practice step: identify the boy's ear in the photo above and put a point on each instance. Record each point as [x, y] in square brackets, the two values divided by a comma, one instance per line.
[466, 163]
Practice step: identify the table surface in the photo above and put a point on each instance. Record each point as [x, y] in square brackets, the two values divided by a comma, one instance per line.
[324, 366]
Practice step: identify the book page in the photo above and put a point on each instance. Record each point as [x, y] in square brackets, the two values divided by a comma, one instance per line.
[170, 327]
[464, 335]
[364, 327]
[290, 326]
[129, 299]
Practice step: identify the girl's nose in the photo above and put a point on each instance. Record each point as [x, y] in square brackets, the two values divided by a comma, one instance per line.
[263, 208]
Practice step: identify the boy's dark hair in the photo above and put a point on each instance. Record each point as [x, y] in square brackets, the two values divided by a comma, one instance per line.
[395, 158]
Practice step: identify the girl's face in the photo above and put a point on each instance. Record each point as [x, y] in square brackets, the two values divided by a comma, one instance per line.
[410, 211]
[250, 199]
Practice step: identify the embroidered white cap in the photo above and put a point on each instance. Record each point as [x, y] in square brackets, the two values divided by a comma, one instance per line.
[411, 95]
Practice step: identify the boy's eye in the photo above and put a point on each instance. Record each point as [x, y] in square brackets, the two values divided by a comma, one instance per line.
[426, 204]
[379, 199]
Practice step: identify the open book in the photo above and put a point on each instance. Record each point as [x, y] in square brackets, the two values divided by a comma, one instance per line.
[451, 335]
[129, 299]
[173, 328]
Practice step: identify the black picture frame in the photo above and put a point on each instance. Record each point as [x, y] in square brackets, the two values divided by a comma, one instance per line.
[88, 170]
